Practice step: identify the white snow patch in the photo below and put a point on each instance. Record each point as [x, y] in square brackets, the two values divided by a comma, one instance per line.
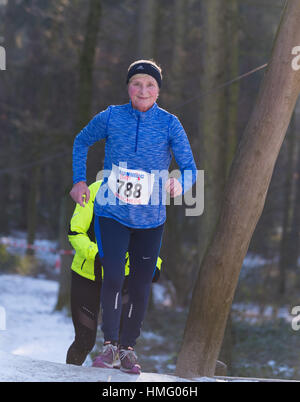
[160, 295]
[33, 328]
[24, 369]
[151, 336]
[253, 260]
[253, 312]
[34, 344]
[46, 251]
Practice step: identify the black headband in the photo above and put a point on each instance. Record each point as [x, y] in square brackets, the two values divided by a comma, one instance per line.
[145, 68]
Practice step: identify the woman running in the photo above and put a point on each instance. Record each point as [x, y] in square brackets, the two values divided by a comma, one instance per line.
[130, 209]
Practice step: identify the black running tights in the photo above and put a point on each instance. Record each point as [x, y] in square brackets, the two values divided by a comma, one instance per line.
[85, 305]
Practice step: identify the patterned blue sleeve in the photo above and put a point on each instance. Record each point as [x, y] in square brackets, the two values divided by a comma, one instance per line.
[183, 155]
[94, 131]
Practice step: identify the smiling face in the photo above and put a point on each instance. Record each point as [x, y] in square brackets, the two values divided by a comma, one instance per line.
[143, 91]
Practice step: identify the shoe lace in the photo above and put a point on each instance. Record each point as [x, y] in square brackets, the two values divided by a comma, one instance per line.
[132, 357]
[109, 348]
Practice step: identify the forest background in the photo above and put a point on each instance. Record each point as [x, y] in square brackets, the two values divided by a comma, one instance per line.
[66, 61]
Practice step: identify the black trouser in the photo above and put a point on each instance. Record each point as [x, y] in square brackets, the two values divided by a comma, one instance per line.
[85, 305]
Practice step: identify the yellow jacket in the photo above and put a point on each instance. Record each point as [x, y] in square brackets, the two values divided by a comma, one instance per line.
[82, 238]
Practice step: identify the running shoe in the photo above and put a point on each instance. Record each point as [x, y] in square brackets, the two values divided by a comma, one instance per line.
[128, 359]
[108, 358]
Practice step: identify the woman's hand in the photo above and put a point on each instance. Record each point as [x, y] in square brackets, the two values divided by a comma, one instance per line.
[173, 187]
[80, 193]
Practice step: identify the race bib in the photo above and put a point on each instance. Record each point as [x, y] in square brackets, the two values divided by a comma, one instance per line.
[131, 186]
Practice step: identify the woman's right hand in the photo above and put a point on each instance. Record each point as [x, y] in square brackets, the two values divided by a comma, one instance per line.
[80, 193]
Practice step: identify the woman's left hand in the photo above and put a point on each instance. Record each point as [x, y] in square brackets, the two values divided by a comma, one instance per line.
[173, 187]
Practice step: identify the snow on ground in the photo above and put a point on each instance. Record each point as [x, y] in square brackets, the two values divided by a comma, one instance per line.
[35, 338]
[46, 251]
[253, 312]
[33, 328]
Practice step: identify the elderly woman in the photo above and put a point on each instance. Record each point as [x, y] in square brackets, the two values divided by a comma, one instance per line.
[129, 208]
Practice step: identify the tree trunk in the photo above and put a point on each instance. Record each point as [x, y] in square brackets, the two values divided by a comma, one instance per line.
[232, 95]
[146, 29]
[295, 225]
[287, 208]
[86, 65]
[84, 105]
[12, 181]
[63, 299]
[178, 55]
[234, 89]
[173, 267]
[32, 207]
[243, 202]
[213, 117]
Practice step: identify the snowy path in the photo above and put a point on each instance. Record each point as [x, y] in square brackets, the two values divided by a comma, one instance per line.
[36, 335]
[24, 369]
[32, 328]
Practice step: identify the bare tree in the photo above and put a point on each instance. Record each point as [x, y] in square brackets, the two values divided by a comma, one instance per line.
[233, 71]
[213, 116]
[146, 24]
[86, 63]
[243, 202]
[287, 207]
[295, 229]
[174, 232]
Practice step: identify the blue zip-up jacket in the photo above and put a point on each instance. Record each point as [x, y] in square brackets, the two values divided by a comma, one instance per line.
[144, 141]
